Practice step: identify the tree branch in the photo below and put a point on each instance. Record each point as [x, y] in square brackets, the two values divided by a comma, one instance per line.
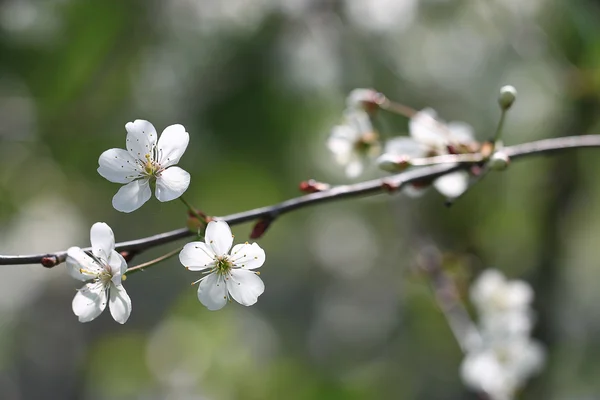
[375, 186]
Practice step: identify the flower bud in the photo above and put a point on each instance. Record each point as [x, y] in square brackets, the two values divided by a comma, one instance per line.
[365, 99]
[499, 161]
[507, 97]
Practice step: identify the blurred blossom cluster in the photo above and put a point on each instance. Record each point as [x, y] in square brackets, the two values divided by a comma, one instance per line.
[506, 357]
[355, 142]
[356, 145]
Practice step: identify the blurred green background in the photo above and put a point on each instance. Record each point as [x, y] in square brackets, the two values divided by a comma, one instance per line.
[258, 84]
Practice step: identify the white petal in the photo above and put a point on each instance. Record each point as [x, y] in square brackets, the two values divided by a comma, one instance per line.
[519, 294]
[414, 191]
[81, 266]
[452, 185]
[461, 132]
[354, 168]
[172, 144]
[426, 129]
[389, 162]
[359, 120]
[248, 256]
[218, 236]
[405, 146]
[141, 138]
[212, 292]
[118, 166]
[118, 266]
[341, 143]
[172, 183]
[482, 371]
[119, 304]
[358, 97]
[197, 256]
[89, 302]
[132, 196]
[245, 286]
[103, 240]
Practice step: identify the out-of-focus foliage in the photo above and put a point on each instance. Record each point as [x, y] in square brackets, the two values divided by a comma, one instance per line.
[258, 84]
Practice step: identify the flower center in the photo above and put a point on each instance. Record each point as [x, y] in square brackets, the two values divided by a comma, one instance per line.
[223, 265]
[367, 143]
[105, 277]
[151, 167]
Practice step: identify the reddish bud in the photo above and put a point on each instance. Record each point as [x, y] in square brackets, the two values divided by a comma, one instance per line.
[487, 148]
[260, 228]
[312, 186]
[49, 261]
[366, 99]
[452, 149]
[128, 255]
[389, 187]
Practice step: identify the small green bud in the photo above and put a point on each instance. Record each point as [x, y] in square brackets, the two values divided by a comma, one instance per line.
[508, 95]
[499, 161]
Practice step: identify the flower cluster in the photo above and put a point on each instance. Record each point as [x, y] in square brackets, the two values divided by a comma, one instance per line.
[148, 162]
[354, 143]
[506, 356]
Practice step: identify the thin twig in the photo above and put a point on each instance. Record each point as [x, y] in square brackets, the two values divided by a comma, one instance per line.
[150, 263]
[448, 299]
[372, 187]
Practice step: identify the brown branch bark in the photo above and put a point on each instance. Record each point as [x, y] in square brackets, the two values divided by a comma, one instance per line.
[371, 187]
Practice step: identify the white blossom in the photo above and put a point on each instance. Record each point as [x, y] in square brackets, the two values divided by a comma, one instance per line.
[146, 162]
[500, 368]
[354, 142]
[103, 270]
[431, 137]
[492, 293]
[505, 357]
[229, 273]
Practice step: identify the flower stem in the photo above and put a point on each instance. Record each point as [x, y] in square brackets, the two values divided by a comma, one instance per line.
[150, 263]
[388, 105]
[192, 209]
[498, 130]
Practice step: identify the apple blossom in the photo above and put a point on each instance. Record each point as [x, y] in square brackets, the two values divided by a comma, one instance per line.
[146, 162]
[103, 270]
[354, 142]
[229, 274]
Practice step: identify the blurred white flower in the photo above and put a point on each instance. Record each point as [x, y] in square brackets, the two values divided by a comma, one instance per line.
[506, 356]
[228, 274]
[492, 293]
[502, 367]
[144, 162]
[354, 142]
[431, 137]
[104, 269]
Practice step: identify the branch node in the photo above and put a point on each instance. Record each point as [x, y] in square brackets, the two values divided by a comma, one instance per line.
[49, 261]
[389, 187]
[261, 227]
[313, 186]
